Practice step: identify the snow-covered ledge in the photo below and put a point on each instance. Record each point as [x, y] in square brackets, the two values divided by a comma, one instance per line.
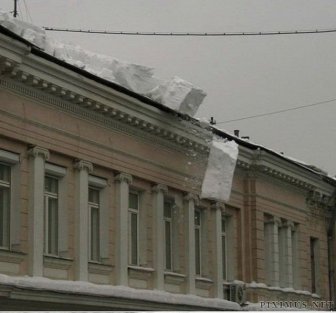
[90, 289]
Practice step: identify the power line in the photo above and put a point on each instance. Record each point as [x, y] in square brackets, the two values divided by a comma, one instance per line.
[194, 34]
[277, 112]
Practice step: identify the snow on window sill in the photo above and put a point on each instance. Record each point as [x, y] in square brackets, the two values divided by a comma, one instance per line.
[141, 268]
[57, 262]
[286, 289]
[174, 278]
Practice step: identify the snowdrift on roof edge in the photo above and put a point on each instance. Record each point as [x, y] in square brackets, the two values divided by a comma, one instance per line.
[176, 93]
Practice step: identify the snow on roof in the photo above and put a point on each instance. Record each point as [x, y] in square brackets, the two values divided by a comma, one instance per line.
[175, 93]
[80, 287]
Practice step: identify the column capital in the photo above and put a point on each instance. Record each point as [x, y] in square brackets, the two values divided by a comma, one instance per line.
[84, 165]
[218, 206]
[191, 197]
[289, 224]
[39, 151]
[124, 178]
[275, 221]
[160, 188]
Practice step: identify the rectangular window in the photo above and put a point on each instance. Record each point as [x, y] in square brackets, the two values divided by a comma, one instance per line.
[168, 227]
[313, 263]
[5, 192]
[133, 228]
[198, 242]
[224, 247]
[94, 203]
[51, 215]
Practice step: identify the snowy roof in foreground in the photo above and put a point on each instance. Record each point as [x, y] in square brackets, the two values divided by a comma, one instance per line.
[79, 287]
[175, 93]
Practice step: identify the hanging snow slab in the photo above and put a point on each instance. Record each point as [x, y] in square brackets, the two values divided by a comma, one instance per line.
[175, 93]
[218, 176]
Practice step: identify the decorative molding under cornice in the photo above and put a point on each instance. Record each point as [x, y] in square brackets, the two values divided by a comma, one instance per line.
[47, 92]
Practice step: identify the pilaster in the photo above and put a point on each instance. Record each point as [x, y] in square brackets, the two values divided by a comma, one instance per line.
[159, 240]
[37, 156]
[82, 219]
[123, 181]
[190, 201]
[216, 212]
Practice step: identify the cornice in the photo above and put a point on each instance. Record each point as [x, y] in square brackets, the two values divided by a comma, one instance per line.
[140, 121]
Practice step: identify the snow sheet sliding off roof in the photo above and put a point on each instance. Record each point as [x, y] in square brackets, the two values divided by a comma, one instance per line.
[175, 93]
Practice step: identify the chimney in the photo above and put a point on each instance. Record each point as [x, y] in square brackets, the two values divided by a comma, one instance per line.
[236, 132]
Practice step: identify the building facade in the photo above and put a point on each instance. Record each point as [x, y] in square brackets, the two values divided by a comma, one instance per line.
[100, 207]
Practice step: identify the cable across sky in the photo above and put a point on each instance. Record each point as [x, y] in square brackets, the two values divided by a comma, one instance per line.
[278, 112]
[192, 34]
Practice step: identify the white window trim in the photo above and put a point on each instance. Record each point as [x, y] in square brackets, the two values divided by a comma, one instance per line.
[171, 224]
[101, 185]
[13, 159]
[200, 243]
[137, 212]
[95, 206]
[59, 172]
[51, 195]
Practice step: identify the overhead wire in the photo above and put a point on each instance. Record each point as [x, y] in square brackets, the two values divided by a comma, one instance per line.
[27, 12]
[278, 111]
[192, 34]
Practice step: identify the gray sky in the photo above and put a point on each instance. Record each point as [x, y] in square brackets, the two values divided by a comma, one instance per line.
[242, 76]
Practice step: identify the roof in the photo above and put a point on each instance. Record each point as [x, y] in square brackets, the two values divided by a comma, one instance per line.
[38, 52]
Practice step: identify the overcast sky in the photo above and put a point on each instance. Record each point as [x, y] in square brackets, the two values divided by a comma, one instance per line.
[242, 76]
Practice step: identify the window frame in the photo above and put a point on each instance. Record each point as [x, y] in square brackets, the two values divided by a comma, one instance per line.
[224, 234]
[130, 243]
[198, 256]
[6, 233]
[51, 195]
[96, 206]
[170, 220]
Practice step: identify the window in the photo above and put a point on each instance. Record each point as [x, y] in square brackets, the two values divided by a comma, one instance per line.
[198, 242]
[168, 232]
[51, 215]
[94, 241]
[224, 248]
[133, 228]
[313, 263]
[5, 195]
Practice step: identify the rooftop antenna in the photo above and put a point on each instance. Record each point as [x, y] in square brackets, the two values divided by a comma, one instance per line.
[15, 12]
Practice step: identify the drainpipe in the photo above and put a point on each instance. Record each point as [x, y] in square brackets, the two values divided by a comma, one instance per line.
[331, 241]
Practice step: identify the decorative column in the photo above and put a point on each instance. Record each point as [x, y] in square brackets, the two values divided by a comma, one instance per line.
[159, 239]
[82, 219]
[123, 181]
[216, 213]
[37, 156]
[272, 237]
[190, 201]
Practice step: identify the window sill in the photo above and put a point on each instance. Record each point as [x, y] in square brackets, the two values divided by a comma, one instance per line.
[140, 268]
[174, 278]
[57, 262]
[11, 256]
[99, 268]
[203, 283]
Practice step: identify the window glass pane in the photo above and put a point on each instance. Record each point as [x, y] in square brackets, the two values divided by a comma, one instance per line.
[197, 217]
[223, 225]
[52, 226]
[168, 245]
[51, 184]
[94, 234]
[134, 239]
[4, 216]
[93, 195]
[133, 201]
[224, 256]
[197, 251]
[167, 209]
[4, 173]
